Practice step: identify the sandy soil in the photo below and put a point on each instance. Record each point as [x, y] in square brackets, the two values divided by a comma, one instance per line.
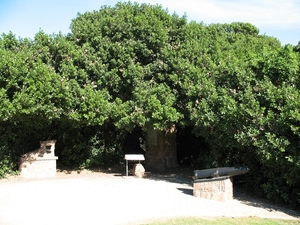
[112, 198]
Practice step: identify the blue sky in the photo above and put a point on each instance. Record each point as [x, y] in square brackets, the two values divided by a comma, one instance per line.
[277, 18]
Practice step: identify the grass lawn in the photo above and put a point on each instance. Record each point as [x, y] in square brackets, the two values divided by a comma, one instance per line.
[223, 221]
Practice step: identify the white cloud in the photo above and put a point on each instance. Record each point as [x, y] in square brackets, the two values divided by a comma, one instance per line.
[275, 13]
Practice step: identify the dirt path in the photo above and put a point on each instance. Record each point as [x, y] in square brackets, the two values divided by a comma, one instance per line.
[111, 198]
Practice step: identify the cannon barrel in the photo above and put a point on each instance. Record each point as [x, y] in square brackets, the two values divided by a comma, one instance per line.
[221, 171]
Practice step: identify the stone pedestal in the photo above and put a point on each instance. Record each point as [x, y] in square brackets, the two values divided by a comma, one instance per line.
[220, 189]
[161, 149]
[40, 163]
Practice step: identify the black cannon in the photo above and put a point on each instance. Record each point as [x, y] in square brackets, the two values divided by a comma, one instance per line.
[219, 172]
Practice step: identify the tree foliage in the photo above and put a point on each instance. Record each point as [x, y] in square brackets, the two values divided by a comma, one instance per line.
[135, 65]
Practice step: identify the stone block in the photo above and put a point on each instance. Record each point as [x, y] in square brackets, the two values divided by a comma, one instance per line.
[220, 189]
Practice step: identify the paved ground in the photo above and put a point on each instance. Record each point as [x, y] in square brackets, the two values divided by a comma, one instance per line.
[112, 198]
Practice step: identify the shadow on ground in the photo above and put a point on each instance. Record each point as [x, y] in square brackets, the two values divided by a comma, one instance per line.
[260, 203]
[180, 175]
[187, 191]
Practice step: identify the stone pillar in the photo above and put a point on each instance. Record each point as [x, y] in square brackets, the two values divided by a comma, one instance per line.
[161, 149]
[219, 188]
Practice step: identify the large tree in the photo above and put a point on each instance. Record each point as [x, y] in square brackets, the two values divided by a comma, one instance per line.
[136, 66]
[129, 47]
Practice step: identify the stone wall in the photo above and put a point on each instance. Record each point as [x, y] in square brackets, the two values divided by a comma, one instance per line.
[161, 149]
[219, 189]
[38, 168]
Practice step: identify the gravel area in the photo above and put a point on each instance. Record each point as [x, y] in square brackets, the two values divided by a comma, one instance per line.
[112, 198]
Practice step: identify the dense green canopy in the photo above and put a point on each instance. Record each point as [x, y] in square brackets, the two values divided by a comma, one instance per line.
[135, 65]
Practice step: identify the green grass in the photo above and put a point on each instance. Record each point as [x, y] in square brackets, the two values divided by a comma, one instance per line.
[222, 221]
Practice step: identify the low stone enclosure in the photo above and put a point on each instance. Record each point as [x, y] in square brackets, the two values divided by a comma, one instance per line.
[40, 163]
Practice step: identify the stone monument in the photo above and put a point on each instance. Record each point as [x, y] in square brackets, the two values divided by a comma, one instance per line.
[40, 163]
